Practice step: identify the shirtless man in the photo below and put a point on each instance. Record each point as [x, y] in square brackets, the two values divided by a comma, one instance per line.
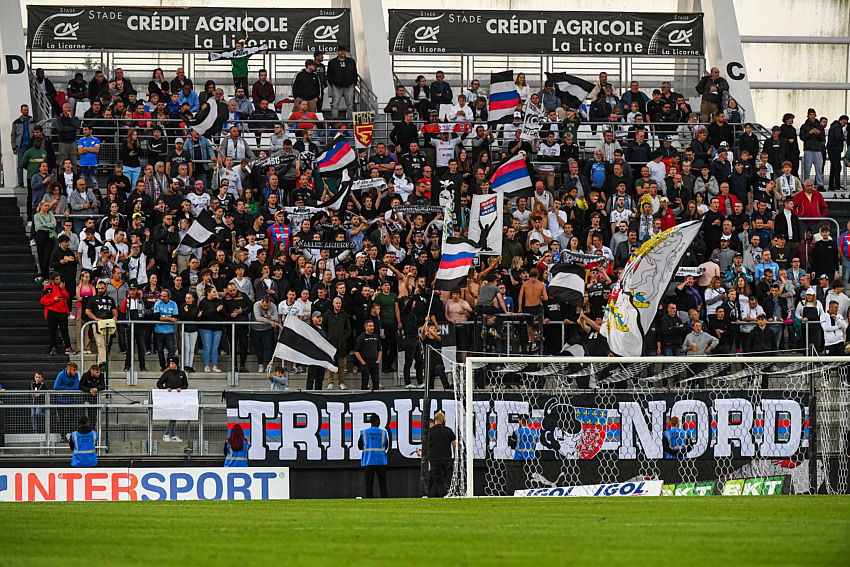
[473, 282]
[532, 294]
[406, 278]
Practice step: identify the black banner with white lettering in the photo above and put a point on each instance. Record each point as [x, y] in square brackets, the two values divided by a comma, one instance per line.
[547, 33]
[321, 430]
[124, 28]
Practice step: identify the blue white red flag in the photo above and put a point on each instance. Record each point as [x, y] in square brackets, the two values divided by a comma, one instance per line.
[338, 155]
[456, 259]
[511, 176]
[503, 96]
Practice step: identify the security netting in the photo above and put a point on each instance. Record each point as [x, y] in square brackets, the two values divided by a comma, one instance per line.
[728, 424]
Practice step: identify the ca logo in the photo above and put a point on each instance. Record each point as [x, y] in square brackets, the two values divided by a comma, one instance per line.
[326, 33]
[426, 34]
[66, 30]
[680, 37]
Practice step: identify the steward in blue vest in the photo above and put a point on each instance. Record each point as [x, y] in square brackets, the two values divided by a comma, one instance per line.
[83, 442]
[523, 441]
[234, 458]
[374, 442]
[676, 442]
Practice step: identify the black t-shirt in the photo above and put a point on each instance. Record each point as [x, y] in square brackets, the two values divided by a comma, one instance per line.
[440, 440]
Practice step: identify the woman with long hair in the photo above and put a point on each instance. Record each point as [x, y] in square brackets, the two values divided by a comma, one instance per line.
[57, 203]
[236, 448]
[251, 201]
[150, 295]
[130, 153]
[210, 315]
[714, 295]
[421, 97]
[742, 290]
[522, 88]
[189, 314]
[208, 92]
[84, 291]
[484, 163]
[464, 165]
[159, 85]
[45, 229]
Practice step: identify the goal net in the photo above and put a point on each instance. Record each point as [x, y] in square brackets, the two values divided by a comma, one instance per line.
[701, 425]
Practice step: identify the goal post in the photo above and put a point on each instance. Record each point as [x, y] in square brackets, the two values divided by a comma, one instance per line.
[733, 421]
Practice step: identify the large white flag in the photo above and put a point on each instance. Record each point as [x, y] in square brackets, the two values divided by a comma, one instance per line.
[485, 222]
[634, 301]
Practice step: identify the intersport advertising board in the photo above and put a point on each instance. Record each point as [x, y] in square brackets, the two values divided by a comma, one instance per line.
[127, 484]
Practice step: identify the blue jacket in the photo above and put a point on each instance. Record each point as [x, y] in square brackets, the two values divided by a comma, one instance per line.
[192, 99]
[526, 441]
[374, 442]
[675, 437]
[207, 152]
[237, 458]
[65, 382]
[83, 445]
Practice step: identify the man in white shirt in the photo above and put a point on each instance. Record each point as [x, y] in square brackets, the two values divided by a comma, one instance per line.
[446, 145]
[403, 185]
[542, 196]
[198, 199]
[88, 254]
[289, 306]
[608, 145]
[539, 233]
[557, 219]
[657, 169]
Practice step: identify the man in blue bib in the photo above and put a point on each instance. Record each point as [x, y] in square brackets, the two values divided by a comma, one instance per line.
[374, 442]
[83, 442]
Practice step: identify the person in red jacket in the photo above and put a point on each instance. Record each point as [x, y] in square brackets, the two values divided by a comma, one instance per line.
[55, 300]
[668, 220]
[809, 202]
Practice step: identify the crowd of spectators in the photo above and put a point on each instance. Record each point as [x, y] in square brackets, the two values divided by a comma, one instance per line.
[651, 162]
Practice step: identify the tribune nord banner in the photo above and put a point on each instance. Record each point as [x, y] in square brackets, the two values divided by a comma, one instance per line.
[321, 430]
[124, 28]
[547, 33]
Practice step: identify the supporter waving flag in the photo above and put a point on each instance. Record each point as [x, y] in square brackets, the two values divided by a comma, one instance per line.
[300, 343]
[567, 284]
[511, 176]
[569, 89]
[203, 231]
[336, 202]
[210, 119]
[337, 155]
[455, 261]
[504, 97]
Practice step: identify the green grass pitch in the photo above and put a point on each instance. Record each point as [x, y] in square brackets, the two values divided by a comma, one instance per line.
[779, 530]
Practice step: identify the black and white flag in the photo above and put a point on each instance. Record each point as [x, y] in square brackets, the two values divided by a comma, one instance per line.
[531, 125]
[210, 119]
[264, 162]
[567, 284]
[569, 89]
[336, 202]
[300, 343]
[485, 222]
[203, 231]
[237, 53]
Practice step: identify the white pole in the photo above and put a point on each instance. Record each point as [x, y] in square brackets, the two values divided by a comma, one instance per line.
[470, 420]
[656, 359]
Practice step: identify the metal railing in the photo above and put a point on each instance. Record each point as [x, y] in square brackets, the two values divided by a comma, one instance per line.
[40, 426]
[132, 376]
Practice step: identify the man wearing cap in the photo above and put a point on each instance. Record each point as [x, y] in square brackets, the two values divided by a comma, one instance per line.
[307, 86]
[814, 138]
[172, 379]
[835, 140]
[723, 256]
[721, 168]
[342, 75]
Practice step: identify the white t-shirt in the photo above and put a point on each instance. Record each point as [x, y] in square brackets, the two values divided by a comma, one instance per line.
[617, 216]
[445, 150]
[198, 202]
[539, 234]
[523, 216]
[554, 225]
[69, 183]
[285, 310]
[252, 251]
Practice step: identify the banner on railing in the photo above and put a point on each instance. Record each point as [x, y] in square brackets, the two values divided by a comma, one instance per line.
[318, 430]
[550, 33]
[113, 484]
[123, 28]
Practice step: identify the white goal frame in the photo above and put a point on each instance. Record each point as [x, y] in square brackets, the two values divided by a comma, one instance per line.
[471, 360]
